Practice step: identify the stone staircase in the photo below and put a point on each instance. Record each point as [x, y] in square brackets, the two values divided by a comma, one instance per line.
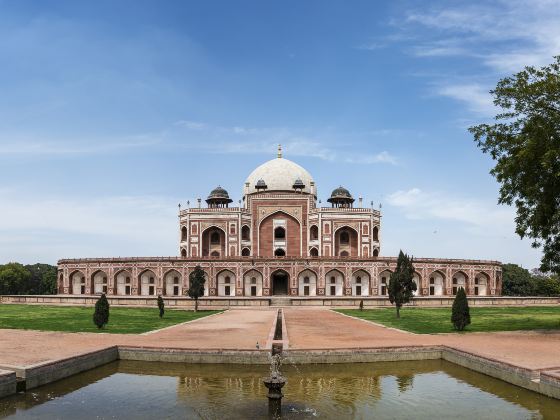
[277, 301]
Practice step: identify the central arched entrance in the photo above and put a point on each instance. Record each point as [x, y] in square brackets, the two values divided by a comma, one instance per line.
[280, 283]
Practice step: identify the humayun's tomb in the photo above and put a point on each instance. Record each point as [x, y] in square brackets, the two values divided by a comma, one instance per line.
[278, 242]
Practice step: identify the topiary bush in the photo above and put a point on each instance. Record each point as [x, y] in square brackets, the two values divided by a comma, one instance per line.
[460, 313]
[161, 306]
[101, 314]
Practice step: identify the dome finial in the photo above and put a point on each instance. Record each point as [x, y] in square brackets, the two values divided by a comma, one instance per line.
[279, 150]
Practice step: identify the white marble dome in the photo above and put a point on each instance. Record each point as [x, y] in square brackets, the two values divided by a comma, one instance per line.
[279, 175]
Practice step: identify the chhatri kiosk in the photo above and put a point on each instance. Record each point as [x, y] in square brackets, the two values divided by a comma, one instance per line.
[278, 242]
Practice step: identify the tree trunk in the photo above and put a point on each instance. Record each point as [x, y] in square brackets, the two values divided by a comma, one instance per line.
[196, 305]
[398, 311]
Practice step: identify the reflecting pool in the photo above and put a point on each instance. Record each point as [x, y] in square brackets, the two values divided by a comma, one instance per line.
[397, 390]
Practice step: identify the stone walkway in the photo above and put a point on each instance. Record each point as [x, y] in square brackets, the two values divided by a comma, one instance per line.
[233, 329]
[331, 330]
[308, 328]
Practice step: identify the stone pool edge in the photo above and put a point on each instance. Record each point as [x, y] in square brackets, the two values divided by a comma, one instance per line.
[545, 381]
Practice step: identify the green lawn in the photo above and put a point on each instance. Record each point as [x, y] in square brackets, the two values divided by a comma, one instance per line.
[438, 320]
[80, 319]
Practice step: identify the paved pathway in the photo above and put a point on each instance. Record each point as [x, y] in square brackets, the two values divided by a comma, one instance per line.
[233, 329]
[331, 330]
[308, 328]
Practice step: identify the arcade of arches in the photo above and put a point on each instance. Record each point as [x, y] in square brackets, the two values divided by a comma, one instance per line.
[307, 282]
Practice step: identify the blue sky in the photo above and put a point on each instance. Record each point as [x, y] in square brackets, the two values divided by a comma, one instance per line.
[112, 112]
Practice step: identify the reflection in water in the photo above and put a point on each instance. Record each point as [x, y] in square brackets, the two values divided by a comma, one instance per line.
[420, 389]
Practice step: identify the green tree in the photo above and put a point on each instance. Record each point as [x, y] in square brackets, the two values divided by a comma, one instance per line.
[401, 284]
[517, 281]
[161, 306]
[460, 312]
[101, 314]
[547, 286]
[525, 143]
[14, 279]
[196, 285]
[43, 279]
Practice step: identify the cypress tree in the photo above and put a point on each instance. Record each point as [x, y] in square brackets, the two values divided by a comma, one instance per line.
[401, 283]
[460, 314]
[161, 306]
[101, 314]
[196, 285]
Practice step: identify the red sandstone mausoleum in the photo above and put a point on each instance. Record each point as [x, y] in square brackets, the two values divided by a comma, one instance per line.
[278, 242]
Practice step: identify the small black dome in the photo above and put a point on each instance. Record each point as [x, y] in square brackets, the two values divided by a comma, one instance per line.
[341, 197]
[341, 192]
[219, 194]
[298, 183]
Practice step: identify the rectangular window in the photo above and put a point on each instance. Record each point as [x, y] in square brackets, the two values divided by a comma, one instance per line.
[333, 290]
[455, 290]
[383, 290]
[83, 290]
[151, 291]
[476, 290]
[176, 290]
[253, 290]
[105, 289]
[127, 290]
[227, 290]
[359, 290]
[306, 290]
[432, 290]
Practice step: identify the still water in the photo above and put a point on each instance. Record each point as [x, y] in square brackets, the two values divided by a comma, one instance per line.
[398, 390]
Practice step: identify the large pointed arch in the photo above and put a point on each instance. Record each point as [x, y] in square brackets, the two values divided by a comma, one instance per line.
[268, 245]
[123, 282]
[214, 241]
[346, 241]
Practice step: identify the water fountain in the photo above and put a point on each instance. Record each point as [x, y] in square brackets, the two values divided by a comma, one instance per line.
[275, 381]
[274, 384]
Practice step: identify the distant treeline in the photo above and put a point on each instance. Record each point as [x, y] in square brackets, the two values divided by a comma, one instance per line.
[36, 279]
[518, 281]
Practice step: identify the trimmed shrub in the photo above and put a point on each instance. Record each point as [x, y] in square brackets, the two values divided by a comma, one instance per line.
[161, 306]
[460, 313]
[101, 314]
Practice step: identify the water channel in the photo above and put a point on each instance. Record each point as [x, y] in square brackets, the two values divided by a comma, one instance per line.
[396, 390]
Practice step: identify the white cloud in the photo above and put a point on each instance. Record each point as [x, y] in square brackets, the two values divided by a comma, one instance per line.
[56, 227]
[419, 205]
[475, 96]
[42, 147]
[383, 157]
[447, 225]
[505, 35]
[249, 140]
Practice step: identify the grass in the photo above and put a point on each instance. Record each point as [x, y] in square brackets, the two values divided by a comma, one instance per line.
[438, 320]
[80, 319]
